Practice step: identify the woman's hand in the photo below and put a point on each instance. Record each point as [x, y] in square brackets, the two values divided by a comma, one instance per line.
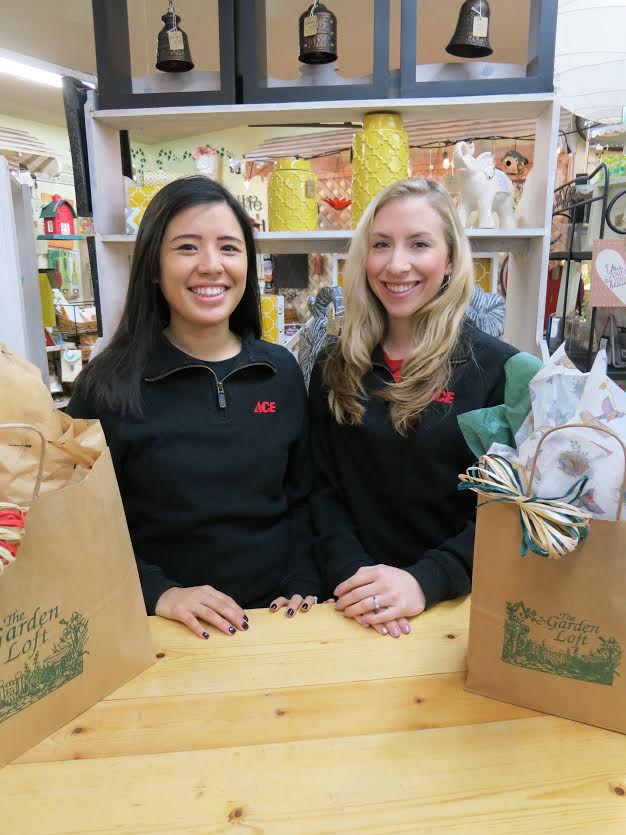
[380, 595]
[199, 605]
[395, 628]
[296, 603]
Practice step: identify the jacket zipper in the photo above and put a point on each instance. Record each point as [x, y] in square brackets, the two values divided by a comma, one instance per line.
[221, 394]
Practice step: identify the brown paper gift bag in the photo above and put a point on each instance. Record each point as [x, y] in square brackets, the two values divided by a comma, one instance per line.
[73, 625]
[550, 634]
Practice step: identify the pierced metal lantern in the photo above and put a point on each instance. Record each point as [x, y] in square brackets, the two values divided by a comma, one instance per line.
[173, 53]
[318, 35]
[471, 36]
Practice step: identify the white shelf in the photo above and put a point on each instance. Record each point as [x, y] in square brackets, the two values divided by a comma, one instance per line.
[290, 243]
[152, 124]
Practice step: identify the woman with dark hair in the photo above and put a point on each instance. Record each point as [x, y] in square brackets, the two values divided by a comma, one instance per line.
[207, 424]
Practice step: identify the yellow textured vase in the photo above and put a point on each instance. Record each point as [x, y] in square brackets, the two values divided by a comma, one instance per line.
[380, 156]
[292, 196]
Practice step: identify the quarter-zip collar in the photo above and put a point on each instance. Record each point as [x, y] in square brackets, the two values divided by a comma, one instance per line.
[167, 358]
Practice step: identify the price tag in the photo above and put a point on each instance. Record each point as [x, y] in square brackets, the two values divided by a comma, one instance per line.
[310, 188]
[481, 27]
[310, 26]
[175, 37]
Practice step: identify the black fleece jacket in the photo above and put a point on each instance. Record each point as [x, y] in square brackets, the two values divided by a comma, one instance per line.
[216, 477]
[382, 498]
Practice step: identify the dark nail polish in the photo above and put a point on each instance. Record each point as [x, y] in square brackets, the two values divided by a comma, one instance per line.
[245, 617]
[305, 606]
[273, 607]
[245, 625]
[232, 630]
[205, 635]
[290, 613]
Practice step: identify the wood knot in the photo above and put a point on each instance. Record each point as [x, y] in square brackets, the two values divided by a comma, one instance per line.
[419, 701]
[236, 814]
[619, 790]
[160, 655]
[451, 636]
[279, 712]
[77, 730]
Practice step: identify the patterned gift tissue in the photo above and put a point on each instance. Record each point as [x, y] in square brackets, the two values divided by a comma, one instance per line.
[560, 394]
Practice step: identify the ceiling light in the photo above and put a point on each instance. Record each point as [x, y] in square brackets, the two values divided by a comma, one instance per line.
[27, 68]
[446, 160]
[26, 73]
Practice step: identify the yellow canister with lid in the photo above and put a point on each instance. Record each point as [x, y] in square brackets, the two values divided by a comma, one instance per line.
[380, 157]
[292, 196]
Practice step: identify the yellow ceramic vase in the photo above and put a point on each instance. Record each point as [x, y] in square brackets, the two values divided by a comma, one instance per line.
[292, 196]
[380, 156]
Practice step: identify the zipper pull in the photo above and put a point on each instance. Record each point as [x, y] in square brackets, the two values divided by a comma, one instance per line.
[221, 395]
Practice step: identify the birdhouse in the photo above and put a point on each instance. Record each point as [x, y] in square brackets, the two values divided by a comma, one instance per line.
[58, 217]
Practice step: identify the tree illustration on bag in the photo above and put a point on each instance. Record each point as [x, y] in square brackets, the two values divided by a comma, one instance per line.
[39, 679]
[561, 650]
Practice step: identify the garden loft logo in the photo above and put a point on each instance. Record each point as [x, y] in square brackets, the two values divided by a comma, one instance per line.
[559, 644]
[23, 639]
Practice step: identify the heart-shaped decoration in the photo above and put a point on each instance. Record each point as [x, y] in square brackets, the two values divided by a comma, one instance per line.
[608, 278]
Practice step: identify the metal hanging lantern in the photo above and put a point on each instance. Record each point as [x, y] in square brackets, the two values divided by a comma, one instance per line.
[173, 53]
[318, 35]
[471, 36]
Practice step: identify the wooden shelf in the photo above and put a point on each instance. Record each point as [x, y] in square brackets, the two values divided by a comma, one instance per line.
[152, 124]
[290, 243]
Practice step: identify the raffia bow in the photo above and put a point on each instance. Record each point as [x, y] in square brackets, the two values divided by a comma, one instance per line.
[550, 527]
[11, 532]
[12, 515]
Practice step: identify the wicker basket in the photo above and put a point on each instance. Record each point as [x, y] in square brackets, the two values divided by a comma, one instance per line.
[68, 326]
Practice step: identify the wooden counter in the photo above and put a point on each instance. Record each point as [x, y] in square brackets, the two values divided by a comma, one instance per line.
[315, 725]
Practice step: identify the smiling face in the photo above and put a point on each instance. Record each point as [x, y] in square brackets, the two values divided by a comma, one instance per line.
[407, 256]
[204, 266]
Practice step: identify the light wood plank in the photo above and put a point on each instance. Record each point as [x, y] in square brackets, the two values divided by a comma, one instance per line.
[221, 720]
[532, 775]
[321, 647]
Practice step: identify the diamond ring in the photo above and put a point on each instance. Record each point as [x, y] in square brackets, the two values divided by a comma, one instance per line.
[376, 603]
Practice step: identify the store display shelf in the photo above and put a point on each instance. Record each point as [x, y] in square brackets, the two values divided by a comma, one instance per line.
[584, 255]
[160, 123]
[289, 243]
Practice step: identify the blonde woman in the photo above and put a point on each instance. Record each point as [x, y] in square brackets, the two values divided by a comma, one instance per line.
[393, 533]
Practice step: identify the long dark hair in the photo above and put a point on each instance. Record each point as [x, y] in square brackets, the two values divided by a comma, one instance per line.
[112, 380]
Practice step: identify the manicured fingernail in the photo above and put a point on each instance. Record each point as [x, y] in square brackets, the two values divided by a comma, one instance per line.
[232, 630]
[245, 617]
[245, 625]
[395, 632]
[205, 635]
[304, 607]
[385, 630]
[290, 613]
[272, 607]
[406, 628]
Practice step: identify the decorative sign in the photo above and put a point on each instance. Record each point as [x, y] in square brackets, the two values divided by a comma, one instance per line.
[608, 275]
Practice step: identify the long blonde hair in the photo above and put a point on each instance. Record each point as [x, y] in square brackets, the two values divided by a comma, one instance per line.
[437, 326]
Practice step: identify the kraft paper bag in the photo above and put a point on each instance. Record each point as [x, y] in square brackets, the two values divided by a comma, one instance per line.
[550, 634]
[73, 624]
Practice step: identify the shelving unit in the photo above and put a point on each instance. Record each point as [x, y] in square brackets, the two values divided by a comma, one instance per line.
[528, 247]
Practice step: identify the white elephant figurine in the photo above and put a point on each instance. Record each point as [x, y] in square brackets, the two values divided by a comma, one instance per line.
[484, 188]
